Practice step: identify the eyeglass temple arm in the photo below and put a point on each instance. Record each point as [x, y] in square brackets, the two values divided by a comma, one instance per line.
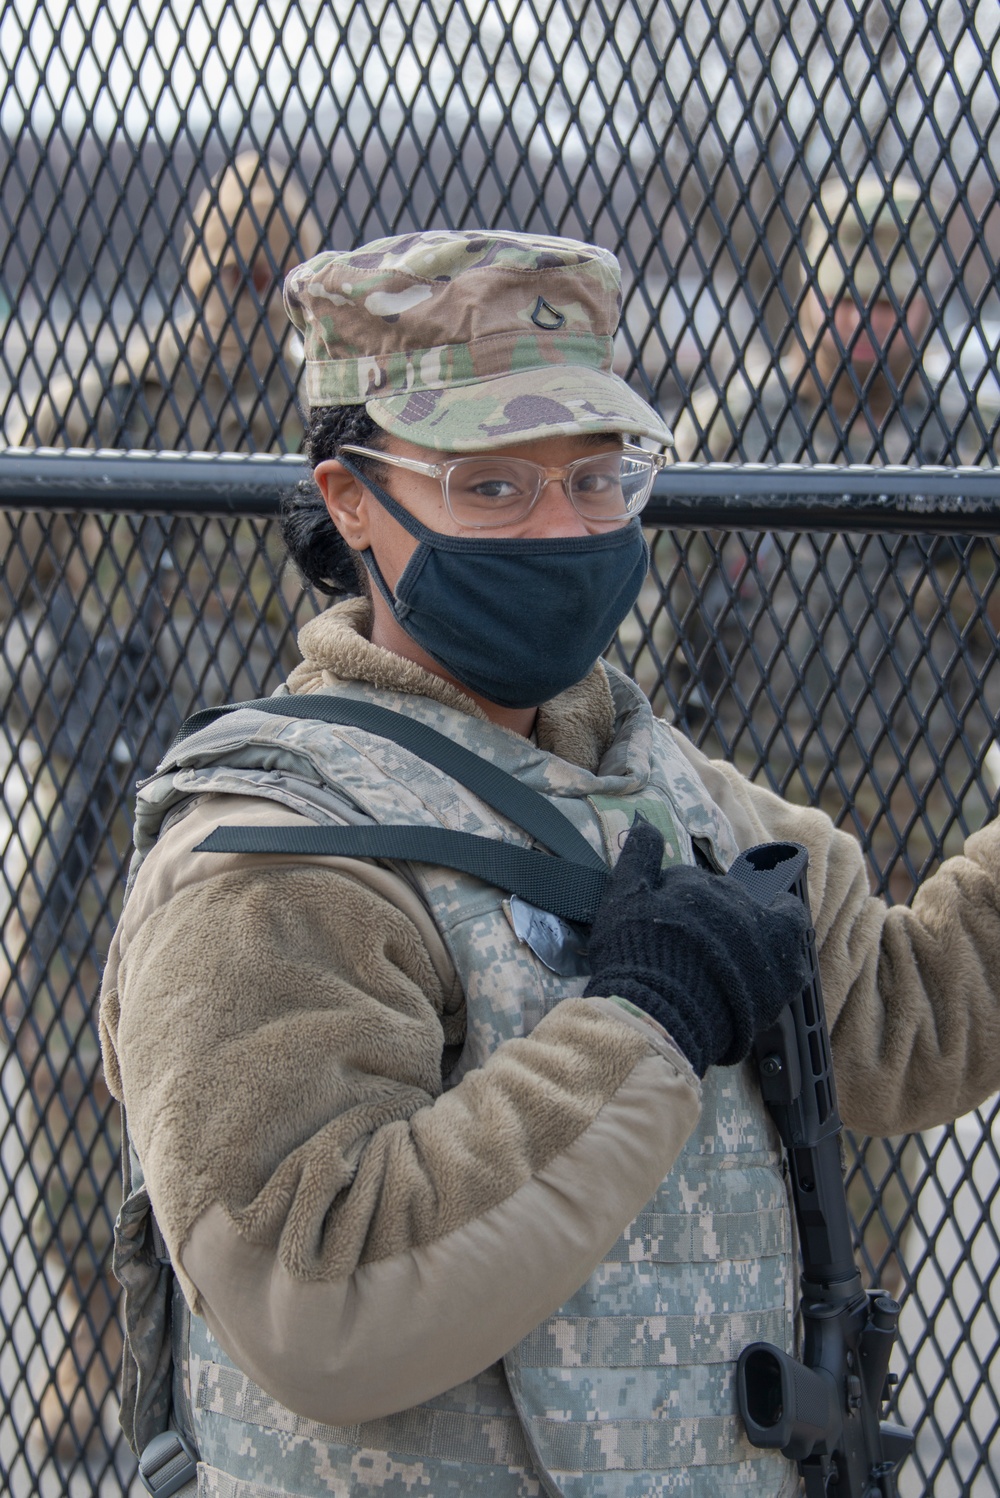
[414, 464]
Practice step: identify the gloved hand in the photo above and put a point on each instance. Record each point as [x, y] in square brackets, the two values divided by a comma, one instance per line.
[695, 951]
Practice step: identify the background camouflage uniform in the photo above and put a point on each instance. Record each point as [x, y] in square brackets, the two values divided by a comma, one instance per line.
[860, 246]
[217, 376]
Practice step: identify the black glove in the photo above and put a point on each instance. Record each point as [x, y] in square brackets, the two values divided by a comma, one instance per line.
[695, 951]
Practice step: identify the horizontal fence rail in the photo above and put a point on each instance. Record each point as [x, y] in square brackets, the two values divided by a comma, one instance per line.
[694, 496]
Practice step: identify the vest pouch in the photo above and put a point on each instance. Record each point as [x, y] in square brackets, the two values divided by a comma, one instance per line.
[143, 1268]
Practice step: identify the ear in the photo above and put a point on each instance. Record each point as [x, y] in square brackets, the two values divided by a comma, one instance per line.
[346, 501]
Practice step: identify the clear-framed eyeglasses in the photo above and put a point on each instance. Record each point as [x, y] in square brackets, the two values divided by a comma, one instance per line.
[489, 490]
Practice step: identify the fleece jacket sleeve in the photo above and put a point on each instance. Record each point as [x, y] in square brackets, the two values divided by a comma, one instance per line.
[358, 1239]
[912, 994]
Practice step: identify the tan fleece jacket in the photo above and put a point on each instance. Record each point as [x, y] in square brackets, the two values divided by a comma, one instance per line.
[360, 1240]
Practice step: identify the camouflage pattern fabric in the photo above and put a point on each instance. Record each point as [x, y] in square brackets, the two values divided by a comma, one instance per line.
[219, 375]
[467, 1441]
[629, 1388]
[466, 340]
[846, 225]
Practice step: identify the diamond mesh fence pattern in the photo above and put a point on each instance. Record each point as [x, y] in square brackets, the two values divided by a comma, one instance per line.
[160, 166]
[854, 672]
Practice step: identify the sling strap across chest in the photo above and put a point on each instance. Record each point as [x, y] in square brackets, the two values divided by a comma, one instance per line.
[569, 880]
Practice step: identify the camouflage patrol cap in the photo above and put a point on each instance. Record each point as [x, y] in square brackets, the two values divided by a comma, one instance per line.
[460, 340]
[869, 237]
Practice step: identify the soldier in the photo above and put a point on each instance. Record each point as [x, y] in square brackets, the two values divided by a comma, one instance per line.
[849, 390]
[220, 375]
[456, 1202]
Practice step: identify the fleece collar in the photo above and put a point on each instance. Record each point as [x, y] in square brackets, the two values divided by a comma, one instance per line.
[578, 725]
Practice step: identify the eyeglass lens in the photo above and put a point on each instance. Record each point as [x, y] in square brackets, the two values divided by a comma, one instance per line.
[609, 486]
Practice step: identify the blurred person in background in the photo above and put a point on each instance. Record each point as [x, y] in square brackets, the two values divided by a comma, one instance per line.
[848, 390]
[858, 384]
[219, 376]
[852, 388]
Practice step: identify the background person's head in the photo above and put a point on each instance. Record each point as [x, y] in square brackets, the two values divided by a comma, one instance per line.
[864, 246]
[249, 227]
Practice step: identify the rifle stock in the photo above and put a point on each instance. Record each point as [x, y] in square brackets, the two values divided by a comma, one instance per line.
[823, 1412]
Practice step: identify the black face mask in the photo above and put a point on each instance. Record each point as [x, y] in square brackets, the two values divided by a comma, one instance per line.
[515, 621]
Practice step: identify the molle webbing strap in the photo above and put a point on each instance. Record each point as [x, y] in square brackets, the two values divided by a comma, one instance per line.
[667, 1444]
[421, 1432]
[480, 1440]
[701, 1237]
[623, 1341]
[569, 884]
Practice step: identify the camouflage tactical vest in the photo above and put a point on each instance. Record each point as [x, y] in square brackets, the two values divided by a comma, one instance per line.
[628, 1389]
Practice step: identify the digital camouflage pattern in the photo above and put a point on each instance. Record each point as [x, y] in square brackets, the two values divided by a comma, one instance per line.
[466, 340]
[466, 1441]
[628, 1389]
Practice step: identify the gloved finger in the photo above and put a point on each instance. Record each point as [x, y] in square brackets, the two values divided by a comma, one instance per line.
[790, 909]
[786, 922]
[640, 862]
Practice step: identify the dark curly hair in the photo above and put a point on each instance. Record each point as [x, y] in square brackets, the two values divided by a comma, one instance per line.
[320, 554]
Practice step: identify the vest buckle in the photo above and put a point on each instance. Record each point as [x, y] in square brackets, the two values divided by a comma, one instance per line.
[166, 1464]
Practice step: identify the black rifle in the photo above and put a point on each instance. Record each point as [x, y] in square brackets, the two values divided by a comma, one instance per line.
[823, 1412]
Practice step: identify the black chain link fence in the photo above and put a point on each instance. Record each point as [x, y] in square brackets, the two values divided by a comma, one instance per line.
[160, 168]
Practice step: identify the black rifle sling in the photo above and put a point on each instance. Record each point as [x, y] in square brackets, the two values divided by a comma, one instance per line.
[570, 881]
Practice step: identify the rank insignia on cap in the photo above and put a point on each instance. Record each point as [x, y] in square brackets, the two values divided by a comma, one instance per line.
[546, 316]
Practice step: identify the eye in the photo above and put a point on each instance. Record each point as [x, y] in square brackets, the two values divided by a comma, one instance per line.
[494, 488]
[599, 481]
[488, 483]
